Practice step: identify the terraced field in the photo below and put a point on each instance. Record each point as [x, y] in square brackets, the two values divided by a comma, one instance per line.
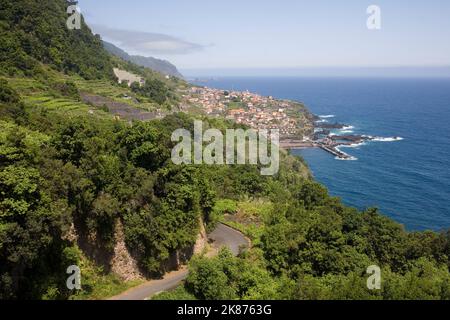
[115, 100]
[106, 89]
[36, 95]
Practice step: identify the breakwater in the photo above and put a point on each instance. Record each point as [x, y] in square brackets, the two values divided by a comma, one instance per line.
[327, 146]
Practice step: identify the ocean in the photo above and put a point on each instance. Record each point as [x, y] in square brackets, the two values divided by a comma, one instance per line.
[406, 174]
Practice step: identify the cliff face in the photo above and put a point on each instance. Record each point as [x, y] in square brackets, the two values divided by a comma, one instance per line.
[161, 66]
[122, 263]
[121, 260]
[126, 266]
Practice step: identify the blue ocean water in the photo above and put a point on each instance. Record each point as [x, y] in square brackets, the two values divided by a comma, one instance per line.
[409, 180]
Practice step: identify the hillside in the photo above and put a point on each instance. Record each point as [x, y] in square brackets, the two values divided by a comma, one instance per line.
[35, 32]
[83, 181]
[157, 65]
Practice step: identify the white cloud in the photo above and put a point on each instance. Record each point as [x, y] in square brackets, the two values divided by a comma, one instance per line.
[146, 43]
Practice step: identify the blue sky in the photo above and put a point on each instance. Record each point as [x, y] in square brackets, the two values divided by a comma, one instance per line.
[276, 34]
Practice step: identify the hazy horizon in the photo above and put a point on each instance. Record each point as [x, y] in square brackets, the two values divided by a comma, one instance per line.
[375, 72]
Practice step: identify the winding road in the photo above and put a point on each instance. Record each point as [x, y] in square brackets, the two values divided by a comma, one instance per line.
[222, 236]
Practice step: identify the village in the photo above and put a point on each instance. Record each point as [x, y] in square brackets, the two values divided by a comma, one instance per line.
[297, 126]
[256, 111]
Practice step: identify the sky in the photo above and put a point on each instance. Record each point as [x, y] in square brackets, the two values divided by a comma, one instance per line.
[277, 35]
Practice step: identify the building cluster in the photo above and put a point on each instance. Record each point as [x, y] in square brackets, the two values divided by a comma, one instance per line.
[256, 111]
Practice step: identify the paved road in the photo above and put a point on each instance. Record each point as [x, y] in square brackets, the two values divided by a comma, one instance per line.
[224, 236]
[221, 236]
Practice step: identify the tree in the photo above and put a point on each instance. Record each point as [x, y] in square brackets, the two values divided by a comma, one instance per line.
[145, 145]
[10, 104]
[312, 194]
[153, 89]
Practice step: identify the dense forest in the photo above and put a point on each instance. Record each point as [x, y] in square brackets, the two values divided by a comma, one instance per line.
[72, 173]
[35, 32]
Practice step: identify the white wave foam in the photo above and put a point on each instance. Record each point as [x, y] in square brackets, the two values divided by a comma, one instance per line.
[347, 131]
[347, 159]
[348, 128]
[327, 116]
[354, 145]
[389, 139]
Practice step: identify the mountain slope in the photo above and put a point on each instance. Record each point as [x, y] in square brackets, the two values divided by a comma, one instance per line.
[158, 65]
[34, 32]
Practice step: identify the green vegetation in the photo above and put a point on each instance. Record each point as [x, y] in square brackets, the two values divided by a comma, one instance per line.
[98, 284]
[225, 278]
[155, 90]
[322, 253]
[89, 174]
[310, 246]
[69, 177]
[35, 32]
[247, 216]
[59, 173]
[236, 105]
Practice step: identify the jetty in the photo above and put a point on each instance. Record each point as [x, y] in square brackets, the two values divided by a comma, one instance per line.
[324, 139]
[297, 144]
[327, 146]
[334, 151]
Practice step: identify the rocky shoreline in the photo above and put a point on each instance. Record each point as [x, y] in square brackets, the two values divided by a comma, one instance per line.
[326, 140]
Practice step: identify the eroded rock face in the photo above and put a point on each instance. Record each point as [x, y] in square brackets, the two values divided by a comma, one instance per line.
[122, 263]
[202, 239]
